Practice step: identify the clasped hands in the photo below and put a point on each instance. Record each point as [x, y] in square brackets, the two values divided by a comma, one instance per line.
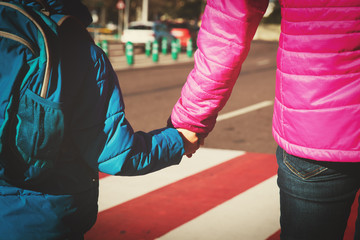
[192, 141]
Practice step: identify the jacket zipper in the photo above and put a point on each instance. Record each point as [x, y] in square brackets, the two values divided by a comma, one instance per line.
[19, 40]
[48, 64]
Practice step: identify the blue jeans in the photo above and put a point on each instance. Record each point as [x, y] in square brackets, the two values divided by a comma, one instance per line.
[315, 197]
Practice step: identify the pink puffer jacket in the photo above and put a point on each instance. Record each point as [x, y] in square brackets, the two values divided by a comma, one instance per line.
[317, 103]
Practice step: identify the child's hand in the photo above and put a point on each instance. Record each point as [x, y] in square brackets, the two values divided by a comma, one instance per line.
[191, 141]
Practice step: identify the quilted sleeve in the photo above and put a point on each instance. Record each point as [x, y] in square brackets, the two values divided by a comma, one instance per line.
[106, 139]
[224, 39]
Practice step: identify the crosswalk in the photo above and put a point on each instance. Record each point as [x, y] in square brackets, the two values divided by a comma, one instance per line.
[216, 194]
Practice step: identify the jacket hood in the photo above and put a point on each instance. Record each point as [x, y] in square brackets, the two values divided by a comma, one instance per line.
[66, 7]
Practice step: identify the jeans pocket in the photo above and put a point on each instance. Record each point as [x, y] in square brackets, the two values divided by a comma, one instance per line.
[301, 167]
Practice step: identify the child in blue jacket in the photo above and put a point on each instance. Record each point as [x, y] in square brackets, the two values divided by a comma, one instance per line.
[61, 203]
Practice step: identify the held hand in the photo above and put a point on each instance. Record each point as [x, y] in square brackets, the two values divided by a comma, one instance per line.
[191, 141]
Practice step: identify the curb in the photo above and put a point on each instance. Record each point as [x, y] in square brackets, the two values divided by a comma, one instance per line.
[142, 61]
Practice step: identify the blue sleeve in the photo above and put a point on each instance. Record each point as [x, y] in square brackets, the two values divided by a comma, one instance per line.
[106, 139]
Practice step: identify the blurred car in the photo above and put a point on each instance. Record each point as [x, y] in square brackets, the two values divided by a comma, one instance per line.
[139, 33]
[182, 31]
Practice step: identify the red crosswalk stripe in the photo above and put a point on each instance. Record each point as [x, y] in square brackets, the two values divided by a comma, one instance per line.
[154, 214]
[102, 175]
[158, 212]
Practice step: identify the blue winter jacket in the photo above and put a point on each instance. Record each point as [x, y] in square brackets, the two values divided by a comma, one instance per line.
[97, 137]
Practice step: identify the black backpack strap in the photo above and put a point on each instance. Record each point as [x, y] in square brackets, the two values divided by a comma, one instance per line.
[63, 19]
[71, 24]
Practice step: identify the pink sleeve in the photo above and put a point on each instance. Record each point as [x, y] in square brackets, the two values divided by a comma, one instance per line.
[224, 38]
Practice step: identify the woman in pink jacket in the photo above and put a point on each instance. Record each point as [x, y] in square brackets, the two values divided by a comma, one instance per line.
[316, 119]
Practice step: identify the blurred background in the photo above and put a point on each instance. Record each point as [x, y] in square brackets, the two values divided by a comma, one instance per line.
[139, 21]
